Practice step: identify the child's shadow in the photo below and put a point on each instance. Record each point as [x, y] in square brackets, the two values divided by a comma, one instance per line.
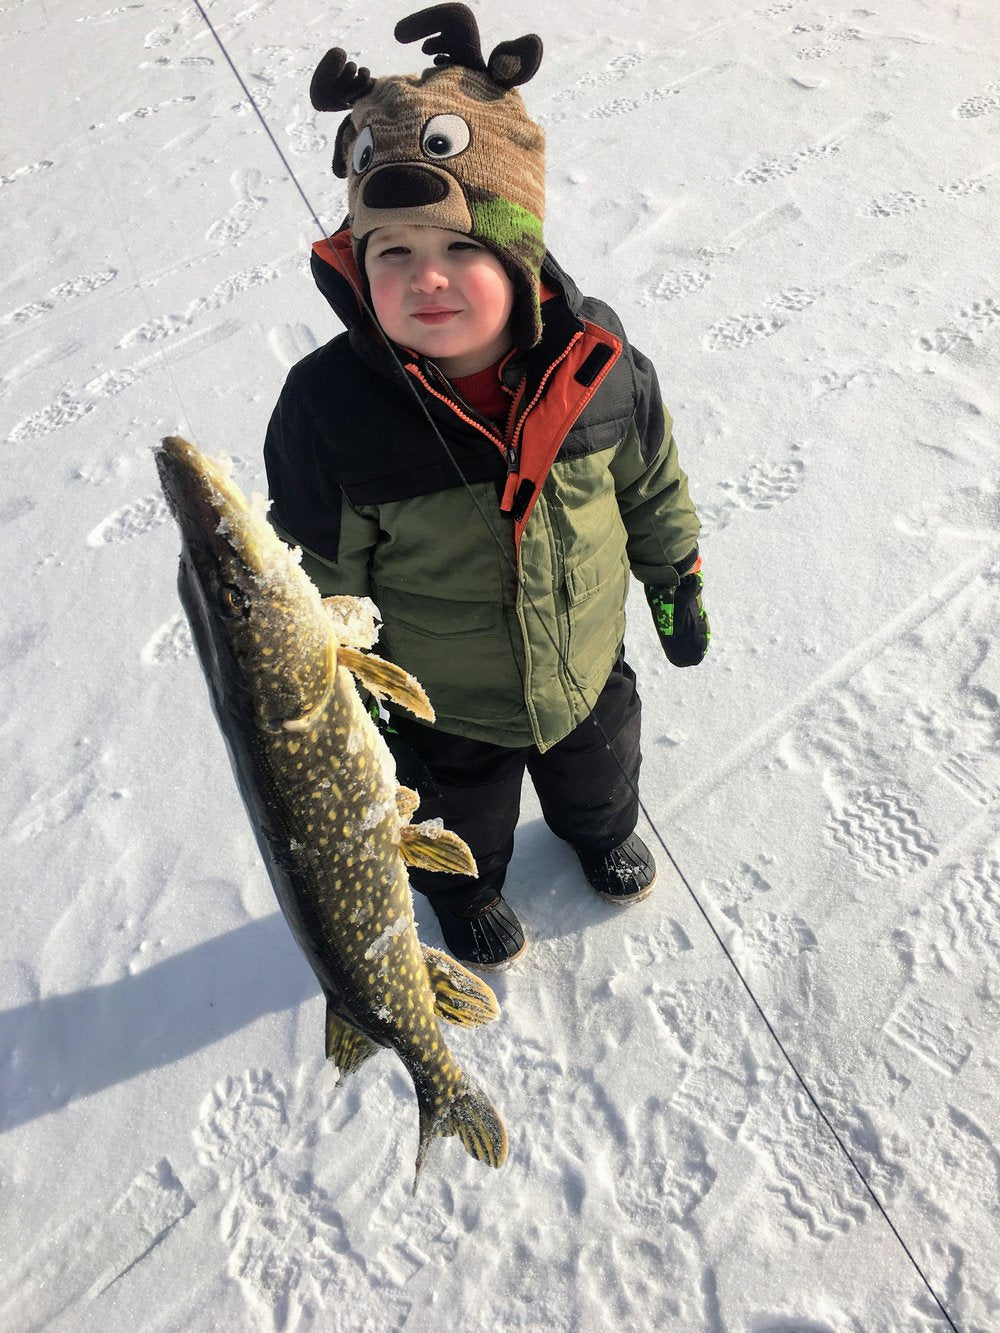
[549, 890]
[545, 886]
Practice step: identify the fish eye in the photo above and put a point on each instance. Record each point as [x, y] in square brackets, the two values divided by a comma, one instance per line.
[445, 136]
[364, 151]
[234, 604]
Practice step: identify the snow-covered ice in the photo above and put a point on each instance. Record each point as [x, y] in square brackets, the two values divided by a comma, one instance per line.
[793, 204]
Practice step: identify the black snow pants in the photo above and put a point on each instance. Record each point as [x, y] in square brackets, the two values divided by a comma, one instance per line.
[586, 784]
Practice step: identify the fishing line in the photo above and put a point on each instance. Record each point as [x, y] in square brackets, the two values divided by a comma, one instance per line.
[576, 685]
[260, 116]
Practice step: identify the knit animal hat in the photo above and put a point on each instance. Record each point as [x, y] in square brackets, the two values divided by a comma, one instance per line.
[452, 147]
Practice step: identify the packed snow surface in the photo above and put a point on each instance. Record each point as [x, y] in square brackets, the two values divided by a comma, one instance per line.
[793, 205]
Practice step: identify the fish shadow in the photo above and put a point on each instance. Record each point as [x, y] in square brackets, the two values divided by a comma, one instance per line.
[61, 1048]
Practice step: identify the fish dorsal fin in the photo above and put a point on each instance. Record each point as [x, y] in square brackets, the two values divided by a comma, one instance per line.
[407, 802]
[387, 681]
[427, 846]
[345, 1045]
[459, 995]
[353, 620]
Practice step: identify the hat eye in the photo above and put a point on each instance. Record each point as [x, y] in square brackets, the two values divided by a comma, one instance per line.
[364, 151]
[445, 136]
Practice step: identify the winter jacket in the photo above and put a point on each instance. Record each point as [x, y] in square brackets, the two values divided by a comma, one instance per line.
[498, 560]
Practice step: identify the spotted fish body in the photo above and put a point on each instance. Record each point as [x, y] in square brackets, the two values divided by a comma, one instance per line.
[320, 789]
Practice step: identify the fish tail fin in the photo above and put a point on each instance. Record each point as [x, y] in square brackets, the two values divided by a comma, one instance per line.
[473, 1118]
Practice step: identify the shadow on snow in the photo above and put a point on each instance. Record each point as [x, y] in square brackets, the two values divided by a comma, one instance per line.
[61, 1048]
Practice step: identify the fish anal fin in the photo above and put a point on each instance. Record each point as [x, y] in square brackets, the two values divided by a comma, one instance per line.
[345, 1045]
[429, 847]
[459, 995]
[407, 801]
[473, 1119]
[387, 681]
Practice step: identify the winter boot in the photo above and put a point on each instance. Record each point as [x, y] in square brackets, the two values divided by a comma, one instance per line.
[489, 937]
[624, 874]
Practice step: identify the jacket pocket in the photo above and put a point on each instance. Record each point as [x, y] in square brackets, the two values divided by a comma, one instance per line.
[590, 576]
[461, 652]
[596, 590]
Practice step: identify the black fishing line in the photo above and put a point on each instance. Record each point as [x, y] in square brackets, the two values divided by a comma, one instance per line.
[576, 685]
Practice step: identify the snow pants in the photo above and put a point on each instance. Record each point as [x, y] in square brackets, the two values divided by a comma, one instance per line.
[587, 786]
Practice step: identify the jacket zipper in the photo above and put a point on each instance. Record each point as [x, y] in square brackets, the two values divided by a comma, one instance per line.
[457, 406]
[512, 447]
[509, 444]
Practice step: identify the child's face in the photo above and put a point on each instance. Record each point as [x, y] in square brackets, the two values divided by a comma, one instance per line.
[442, 294]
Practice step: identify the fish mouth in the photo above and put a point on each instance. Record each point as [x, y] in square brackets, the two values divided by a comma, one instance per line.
[209, 506]
[195, 485]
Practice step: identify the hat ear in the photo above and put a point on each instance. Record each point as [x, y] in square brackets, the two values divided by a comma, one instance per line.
[453, 39]
[338, 83]
[514, 63]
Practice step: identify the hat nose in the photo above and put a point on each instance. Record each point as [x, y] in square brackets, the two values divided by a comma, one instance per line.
[405, 186]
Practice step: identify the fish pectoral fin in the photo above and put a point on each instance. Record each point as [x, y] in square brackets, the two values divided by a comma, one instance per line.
[473, 1118]
[459, 995]
[387, 681]
[353, 620]
[429, 847]
[345, 1045]
[407, 801]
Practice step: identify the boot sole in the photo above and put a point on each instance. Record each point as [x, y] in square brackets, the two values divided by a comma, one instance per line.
[621, 901]
[493, 967]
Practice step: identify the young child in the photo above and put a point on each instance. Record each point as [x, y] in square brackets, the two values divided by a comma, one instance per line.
[485, 456]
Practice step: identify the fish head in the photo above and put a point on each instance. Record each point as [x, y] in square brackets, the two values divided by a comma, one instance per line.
[265, 641]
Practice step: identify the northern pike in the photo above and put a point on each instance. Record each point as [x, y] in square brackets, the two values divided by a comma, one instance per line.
[319, 786]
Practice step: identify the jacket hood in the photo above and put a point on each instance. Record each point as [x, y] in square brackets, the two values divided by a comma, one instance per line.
[345, 287]
[336, 274]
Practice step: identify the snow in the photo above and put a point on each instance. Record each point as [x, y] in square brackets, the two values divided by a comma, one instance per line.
[793, 206]
[380, 947]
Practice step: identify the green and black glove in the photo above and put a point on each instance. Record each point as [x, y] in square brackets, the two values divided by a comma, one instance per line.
[679, 616]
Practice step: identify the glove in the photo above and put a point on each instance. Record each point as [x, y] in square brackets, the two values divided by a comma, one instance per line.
[680, 618]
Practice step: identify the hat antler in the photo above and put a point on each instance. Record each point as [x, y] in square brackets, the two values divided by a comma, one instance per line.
[452, 33]
[453, 39]
[338, 83]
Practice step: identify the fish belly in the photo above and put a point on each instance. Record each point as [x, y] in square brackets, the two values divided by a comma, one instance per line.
[355, 906]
